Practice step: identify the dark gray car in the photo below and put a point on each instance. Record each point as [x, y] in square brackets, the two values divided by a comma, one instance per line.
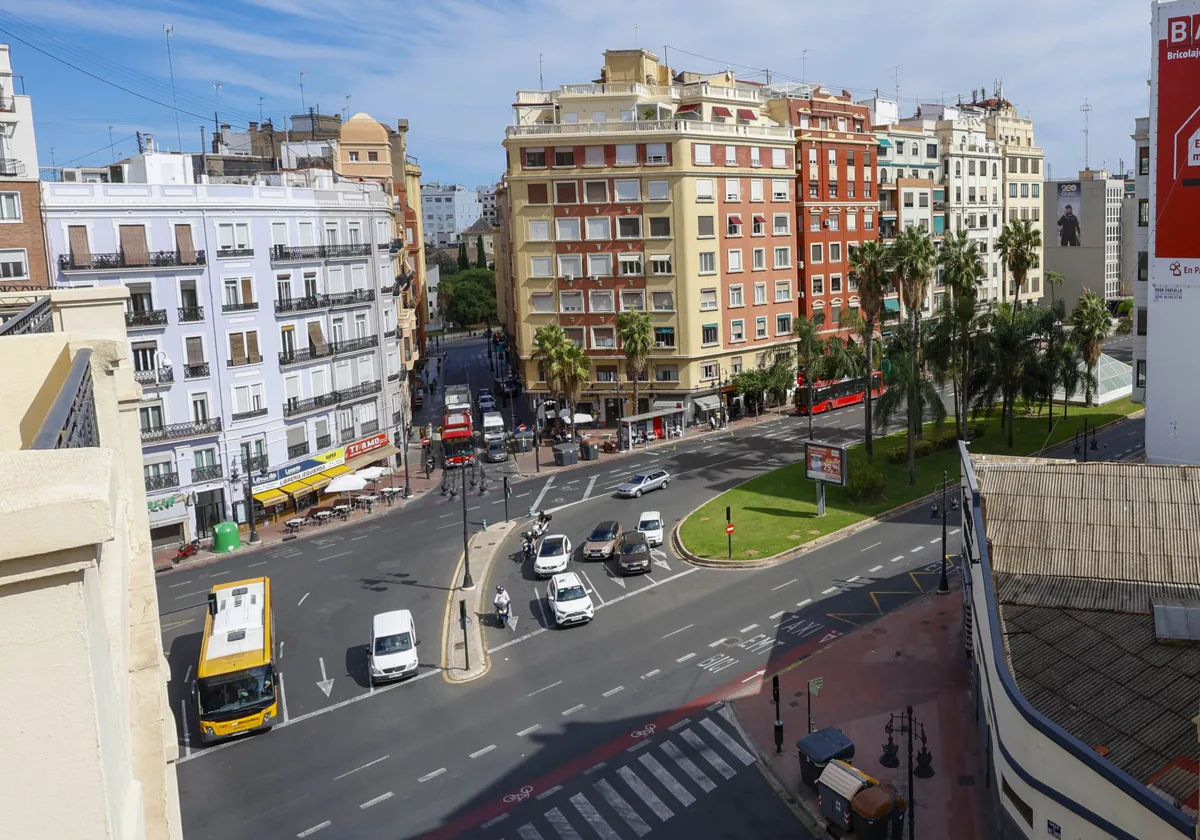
[635, 553]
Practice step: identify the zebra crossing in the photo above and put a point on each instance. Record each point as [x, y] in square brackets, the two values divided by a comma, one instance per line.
[666, 773]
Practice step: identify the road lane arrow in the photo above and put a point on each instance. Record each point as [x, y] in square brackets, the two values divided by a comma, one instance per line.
[660, 558]
[617, 579]
[326, 684]
[512, 623]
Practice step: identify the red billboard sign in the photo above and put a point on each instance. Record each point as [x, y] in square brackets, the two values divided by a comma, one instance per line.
[365, 445]
[825, 462]
[1176, 142]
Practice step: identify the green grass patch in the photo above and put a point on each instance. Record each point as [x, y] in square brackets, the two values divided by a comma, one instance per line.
[777, 511]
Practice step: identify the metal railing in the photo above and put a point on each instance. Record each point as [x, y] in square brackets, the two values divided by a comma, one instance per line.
[249, 360]
[370, 427]
[71, 421]
[235, 252]
[324, 440]
[347, 435]
[146, 318]
[301, 304]
[198, 371]
[162, 481]
[11, 168]
[652, 127]
[8, 103]
[209, 473]
[357, 249]
[155, 259]
[299, 406]
[331, 348]
[351, 298]
[243, 306]
[176, 431]
[38, 317]
[295, 450]
[247, 415]
[257, 463]
[164, 375]
[293, 253]
[357, 392]
[191, 313]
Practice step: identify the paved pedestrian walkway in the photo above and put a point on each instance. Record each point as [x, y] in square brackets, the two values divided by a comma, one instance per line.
[912, 656]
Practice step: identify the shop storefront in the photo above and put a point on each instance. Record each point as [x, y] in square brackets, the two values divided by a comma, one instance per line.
[168, 519]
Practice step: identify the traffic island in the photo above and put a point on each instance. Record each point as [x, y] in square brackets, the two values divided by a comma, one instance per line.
[464, 651]
[775, 514]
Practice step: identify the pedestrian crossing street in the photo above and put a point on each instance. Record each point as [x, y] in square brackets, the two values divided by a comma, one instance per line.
[660, 777]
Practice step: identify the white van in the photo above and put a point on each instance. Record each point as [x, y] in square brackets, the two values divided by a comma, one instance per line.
[393, 651]
[493, 426]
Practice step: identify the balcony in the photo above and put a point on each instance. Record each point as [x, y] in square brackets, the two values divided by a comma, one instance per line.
[146, 318]
[370, 427]
[162, 481]
[357, 392]
[694, 127]
[289, 253]
[188, 314]
[100, 262]
[347, 435]
[300, 304]
[248, 415]
[225, 253]
[248, 306]
[177, 431]
[297, 406]
[199, 371]
[352, 298]
[160, 376]
[393, 245]
[37, 317]
[390, 333]
[707, 91]
[210, 473]
[295, 450]
[332, 348]
[358, 249]
[324, 441]
[8, 103]
[10, 168]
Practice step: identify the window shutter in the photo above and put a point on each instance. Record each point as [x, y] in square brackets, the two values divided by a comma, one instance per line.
[252, 347]
[185, 245]
[81, 254]
[195, 350]
[237, 349]
[316, 337]
[247, 290]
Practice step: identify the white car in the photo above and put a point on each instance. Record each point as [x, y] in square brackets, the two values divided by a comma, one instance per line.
[650, 523]
[569, 600]
[552, 556]
[393, 651]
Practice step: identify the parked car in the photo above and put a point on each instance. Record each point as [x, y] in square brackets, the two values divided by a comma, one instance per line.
[552, 556]
[650, 523]
[644, 483]
[497, 451]
[602, 543]
[392, 654]
[635, 553]
[569, 600]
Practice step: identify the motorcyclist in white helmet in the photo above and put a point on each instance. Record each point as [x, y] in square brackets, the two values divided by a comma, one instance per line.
[501, 600]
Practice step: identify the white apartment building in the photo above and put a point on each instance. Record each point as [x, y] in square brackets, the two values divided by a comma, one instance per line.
[1135, 248]
[1022, 183]
[262, 324]
[487, 201]
[448, 211]
[1092, 260]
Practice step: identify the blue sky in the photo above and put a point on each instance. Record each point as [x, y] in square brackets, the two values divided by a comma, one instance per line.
[451, 67]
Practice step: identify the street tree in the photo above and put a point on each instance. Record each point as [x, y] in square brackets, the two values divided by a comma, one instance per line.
[908, 389]
[635, 330]
[1091, 324]
[1010, 357]
[962, 272]
[1018, 246]
[480, 256]
[916, 262]
[573, 370]
[871, 267]
[1053, 281]
[548, 344]
[463, 262]
[809, 349]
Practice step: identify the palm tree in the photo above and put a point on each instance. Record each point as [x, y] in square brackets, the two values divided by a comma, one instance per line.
[962, 271]
[908, 387]
[636, 333]
[916, 260]
[1018, 247]
[870, 268]
[1091, 323]
[573, 369]
[809, 348]
[1010, 359]
[1057, 352]
[548, 344]
[1054, 280]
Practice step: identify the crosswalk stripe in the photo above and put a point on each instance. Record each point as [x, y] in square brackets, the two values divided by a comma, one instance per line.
[528, 832]
[708, 752]
[668, 781]
[733, 746]
[558, 821]
[688, 766]
[648, 796]
[624, 810]
[597, 822]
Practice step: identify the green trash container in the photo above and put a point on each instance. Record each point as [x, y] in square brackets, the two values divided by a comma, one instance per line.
[226, 537]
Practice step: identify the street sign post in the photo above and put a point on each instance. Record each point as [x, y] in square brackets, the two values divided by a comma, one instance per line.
[814, 690]
[729, 529]
[825, 463]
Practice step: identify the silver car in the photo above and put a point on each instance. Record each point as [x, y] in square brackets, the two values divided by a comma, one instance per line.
[644, 483]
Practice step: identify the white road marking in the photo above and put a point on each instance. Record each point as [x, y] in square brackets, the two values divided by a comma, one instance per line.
[595, 768]
[613, 691]
[183, 720]
[655, 672]
[624, 810]
[851, 580]
[177, 585]
[549, 792]
[872, 545]
[191, 595]
[688, 766]
[614, 472]
[573, 710]
[645, 794]
[718, 642]
[591, 483]
[592, 586]
[483, 751]
[952, 533]
[332, 556]
[434, 774]
[263, 563]
[593, 818]
[517, 640]
[528, 832]
[747, 629]
[187, 678]
[805, 602]
[282, 696]
[310, 831]
[709, 754]
[538, 501]
[680, 630]
[753, 676]
[305, 598]
[897, 559]
[935, 541]
[874, 569]
[495, 821]
[523, 495]
[789, 583]
[444, 515]
[685, 657]
[363, 767]
[376, 800]
[218, 574]
[915, 550]
[733, 746]
[679, 724]
[781, 612]
[668, 781]
[528, 730]
[362, 537]
[540, 690]
[829, 590]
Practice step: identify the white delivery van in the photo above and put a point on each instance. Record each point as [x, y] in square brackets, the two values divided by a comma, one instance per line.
[493, 426]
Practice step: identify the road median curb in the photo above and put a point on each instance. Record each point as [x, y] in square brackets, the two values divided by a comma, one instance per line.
[459, 647]
[1041, 453]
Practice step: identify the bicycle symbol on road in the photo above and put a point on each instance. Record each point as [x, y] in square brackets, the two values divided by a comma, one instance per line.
[644, 733]
[519, 797]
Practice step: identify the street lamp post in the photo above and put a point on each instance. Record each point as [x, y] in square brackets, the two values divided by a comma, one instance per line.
[249, 465]
[924, 766]
[1085, 445]
[944, 583]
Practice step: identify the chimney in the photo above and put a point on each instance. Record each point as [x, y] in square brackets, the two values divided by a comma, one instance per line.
[402, 126]
[253, 127]
[225, 126]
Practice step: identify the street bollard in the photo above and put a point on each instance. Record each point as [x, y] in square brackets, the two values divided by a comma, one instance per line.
[485, 524]
[530, 511]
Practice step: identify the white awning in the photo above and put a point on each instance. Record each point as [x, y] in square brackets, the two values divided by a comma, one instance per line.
[667, 405]
[710, 402]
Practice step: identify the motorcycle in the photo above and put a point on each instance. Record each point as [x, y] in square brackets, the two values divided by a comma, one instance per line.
[541, 524]
[502, 611]
[528, 546]
[187, 550]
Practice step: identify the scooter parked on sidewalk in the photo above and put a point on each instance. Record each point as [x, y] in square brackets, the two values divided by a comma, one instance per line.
[187, 550]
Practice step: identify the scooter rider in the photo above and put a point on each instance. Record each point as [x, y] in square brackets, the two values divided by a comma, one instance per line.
[501, 600]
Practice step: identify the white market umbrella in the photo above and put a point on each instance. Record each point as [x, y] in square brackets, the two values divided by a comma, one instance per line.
[371, 473]
[565, 414]
[583, 419]
[346, 484]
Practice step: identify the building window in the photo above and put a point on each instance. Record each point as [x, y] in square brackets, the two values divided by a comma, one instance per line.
[595, 192]
[731, 155]
[564, 156]
[664, 301]
[1140, 374]
[601, 301]
[13, 264]
[593, 155]
[568, 229]
[599, 265]
[702, 154]
[704, 189]
[10, 207]
[538, 194]
[733, 225]
[759, 259]
[783, 257]
[656, 153]
[630, 265]
[566, 192]
[708, 370]
[1144, 160]
[1143, 266]
[781, 225]
[658, 191]
[373, 157]
[708, 299]
[570, 265]
[543, 302]
[598, 229]
[1141, 321]
[660, 264]
[816, 253]
[735, 260]
[760, 294]
[818, 284]
[708, 334]
[535, 158]
[633, 301]
[571, 301]
[783, 291]
[233, 236]
[756, 189]
[779, 190]
[755, 156]
[1143, 212]
[835, 284]
[629, 227]
[760, 327]
[783, 324]
[630, 190]
[733, 189]
[705, 227]
[243, 348]
[626, 154]
[779, 158]
[540, 267]
[604, 338]
[735, 296]
[835, 252]
[539, 230]
[664, 336]
[353, 156]
[758, 226]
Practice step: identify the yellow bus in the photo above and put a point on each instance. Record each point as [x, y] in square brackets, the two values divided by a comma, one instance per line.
[235, 681]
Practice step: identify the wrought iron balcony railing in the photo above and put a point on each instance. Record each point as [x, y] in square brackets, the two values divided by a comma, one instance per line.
[235, 252]
[297, 253]
[177, 431]
[242, 306]
[191, 313]
[12, 168]
[331, 348]
[359, 249]
[209, 473]
[324, 441]
[370, 427]
[295, 450]
[249, 360]
[301, 304]
[155, 259]
[162, 481]
[298, 406]
[347, 435]
[195, 371]
[146, 318]
[38, 317]
[248, 415]
[357, 392]
[358, 296]
[155, 376]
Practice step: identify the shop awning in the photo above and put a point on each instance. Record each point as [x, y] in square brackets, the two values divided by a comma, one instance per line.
[372, 456]
[304, 486]
[886, 143]
[719, 111]
[891, 304]
[667, 405]
[688, 109]
[269, 498]
[651, 415]
[710, 402]
[746, 114]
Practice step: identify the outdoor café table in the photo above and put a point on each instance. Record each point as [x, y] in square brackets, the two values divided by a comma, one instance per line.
[295, 525]
[342, 510]
[323, 516]
[366, 500]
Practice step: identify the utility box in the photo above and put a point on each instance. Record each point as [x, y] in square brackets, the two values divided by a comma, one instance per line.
[226, 538]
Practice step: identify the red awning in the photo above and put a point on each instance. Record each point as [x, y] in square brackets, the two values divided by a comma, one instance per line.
[746, 114]
[758, 218]
[718, 111]
[735, 220]
[688, 109]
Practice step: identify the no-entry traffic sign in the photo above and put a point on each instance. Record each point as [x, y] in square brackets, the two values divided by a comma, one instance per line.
[729, 528]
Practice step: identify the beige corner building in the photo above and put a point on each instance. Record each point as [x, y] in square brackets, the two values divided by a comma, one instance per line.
[89, 744]
[647, 190]
[1023, 184]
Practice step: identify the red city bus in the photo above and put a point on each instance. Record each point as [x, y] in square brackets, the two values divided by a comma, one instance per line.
[458, 439]
[830, 393]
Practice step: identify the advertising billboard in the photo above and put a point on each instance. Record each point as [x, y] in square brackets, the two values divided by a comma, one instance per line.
[1175, 144]
[825, 462]
[1070, 212]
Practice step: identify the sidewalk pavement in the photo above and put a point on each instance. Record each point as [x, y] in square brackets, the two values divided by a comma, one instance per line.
[912, 656]
[464, 649]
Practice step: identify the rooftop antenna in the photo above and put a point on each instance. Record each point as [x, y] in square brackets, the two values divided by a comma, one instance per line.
[896, 76]
[804, 65]
[1087, 110]
[636, 42]
[167, 30]
[541, 80]
[260, 111]
[347, 109]
[217, 113]
[111, 150]
[303, 106]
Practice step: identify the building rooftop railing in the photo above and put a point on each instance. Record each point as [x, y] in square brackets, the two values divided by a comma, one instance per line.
[37, 317]
[71, 421]
[679, 126]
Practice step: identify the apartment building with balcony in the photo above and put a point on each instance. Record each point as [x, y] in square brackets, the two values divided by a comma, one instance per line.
[1022, 184]
[22, 236]
[90, 744]
[449, 210]
[263, 327]
[1135, 251]
[836, 201]
[669, 194]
